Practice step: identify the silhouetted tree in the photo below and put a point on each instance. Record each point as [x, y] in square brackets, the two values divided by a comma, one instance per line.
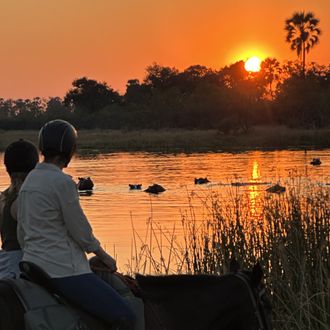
[160, 77]
[29, 108]
[195, 72]
[320, 72]
[136, 93]
[6, 108]
[304, 101]
[194, 76]
[233, 75]
[90, 96]
[236, 78]
[290, 69]
[271, 74]
[302, 33]
[56, 109]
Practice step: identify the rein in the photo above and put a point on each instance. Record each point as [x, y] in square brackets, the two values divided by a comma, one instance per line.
[245, 279]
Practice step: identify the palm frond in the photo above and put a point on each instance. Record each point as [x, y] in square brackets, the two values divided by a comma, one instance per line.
[302, 31]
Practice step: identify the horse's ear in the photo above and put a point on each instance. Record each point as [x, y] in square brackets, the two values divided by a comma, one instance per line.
[257, 274]
[234, 266]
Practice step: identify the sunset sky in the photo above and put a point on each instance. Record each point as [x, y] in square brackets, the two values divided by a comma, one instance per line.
[45, 45]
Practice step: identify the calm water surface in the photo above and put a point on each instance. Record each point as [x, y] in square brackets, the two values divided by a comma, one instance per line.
[113, 207]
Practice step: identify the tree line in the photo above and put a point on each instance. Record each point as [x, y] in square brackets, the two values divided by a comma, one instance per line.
[229, 99]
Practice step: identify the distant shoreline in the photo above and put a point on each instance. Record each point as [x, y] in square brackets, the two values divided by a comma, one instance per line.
[179, 140]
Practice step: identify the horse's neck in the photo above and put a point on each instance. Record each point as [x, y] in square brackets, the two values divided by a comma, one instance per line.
[233, 303]
[243, 316]
[203, 302]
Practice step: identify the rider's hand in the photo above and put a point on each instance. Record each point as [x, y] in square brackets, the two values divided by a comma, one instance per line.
[110, 263]
[106, 259]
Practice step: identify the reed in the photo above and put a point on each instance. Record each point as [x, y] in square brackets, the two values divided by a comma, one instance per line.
[290, 237]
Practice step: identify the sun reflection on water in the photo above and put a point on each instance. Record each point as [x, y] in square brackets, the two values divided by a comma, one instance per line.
[254, 194]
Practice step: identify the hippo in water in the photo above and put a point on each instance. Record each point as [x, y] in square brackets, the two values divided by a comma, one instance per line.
[135, 186]
[85, 184]
[277, 189]
[316, 161]
[201, 180]
[155, 189]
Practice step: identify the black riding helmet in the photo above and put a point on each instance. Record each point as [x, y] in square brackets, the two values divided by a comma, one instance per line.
[58, 138]
[21, 156]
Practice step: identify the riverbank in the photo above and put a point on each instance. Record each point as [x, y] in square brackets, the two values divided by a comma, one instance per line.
[174, 140]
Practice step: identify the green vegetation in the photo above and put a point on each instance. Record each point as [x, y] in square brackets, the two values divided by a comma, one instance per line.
[288, 234]
[230, 100]
[180, 140]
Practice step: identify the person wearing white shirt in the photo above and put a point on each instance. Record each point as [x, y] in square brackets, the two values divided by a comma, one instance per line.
[55, 234]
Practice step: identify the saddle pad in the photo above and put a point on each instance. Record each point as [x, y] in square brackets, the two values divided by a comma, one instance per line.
[42, 310]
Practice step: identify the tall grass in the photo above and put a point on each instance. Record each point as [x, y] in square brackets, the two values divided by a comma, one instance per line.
[290, 237]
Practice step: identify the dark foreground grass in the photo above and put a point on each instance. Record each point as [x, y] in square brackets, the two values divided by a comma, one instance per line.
[272, 137]
[290, 237]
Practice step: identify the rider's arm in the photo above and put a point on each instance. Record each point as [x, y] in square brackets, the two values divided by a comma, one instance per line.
[78, 225]
[74, 217]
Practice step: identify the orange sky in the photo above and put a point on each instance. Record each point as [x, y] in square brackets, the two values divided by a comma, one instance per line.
[47, 44]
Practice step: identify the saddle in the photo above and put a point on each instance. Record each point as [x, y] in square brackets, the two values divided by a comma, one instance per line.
[42, 309]
[35, 274]
[44, 306]
[124, 285]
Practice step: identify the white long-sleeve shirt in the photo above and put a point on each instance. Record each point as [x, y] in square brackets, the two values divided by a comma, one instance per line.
[53, 230]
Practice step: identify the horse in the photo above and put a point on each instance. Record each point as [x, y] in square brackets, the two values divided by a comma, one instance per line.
[235, 301]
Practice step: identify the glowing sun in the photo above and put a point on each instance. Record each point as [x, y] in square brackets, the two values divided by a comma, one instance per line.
[253, 64]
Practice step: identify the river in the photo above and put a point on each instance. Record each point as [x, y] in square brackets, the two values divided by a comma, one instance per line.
[114, 210]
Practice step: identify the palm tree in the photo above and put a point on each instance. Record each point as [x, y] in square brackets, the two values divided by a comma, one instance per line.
[302, 33]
